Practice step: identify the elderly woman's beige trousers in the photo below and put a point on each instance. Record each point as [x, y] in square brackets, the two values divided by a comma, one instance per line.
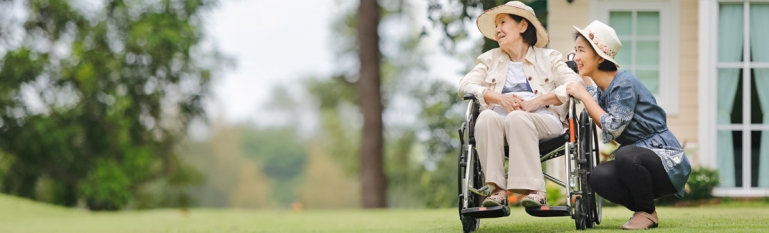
[523, 131]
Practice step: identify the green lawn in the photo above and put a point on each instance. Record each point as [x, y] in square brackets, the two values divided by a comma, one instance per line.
[19, 215]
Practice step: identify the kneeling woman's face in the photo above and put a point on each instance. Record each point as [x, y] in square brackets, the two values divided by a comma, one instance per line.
[586, 58]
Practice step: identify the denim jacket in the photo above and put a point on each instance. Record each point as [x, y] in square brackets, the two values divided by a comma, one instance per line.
[633, 118]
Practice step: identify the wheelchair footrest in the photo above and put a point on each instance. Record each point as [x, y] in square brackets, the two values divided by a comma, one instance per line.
[487, 212]
[548, 211]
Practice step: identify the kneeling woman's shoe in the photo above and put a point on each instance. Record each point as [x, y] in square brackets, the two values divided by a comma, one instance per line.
[496, 199]
[534, 200]
[641, 221]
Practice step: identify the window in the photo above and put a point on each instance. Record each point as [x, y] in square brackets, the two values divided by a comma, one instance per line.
[644, 37]
[737, 75]
[639, 33]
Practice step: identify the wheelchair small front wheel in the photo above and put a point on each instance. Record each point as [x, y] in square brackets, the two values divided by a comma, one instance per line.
[580, 215]
[470, 224]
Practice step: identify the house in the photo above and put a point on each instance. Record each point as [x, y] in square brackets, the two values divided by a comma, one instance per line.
[694, 55]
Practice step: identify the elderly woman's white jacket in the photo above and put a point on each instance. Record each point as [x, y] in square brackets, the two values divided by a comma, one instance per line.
[544, 68]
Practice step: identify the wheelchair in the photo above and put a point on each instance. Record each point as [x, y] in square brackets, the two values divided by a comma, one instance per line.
[578, 146]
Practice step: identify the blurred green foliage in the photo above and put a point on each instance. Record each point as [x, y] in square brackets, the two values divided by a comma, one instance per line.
[555, 194]
[93, 102]
[421, 116]
[280, 152]
[701, 182]
[281, 155]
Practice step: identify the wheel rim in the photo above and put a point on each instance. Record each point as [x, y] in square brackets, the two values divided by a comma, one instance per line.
[599, 204]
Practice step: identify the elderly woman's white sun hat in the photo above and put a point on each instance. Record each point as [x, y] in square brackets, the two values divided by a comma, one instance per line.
[487, 26]
[603, 39]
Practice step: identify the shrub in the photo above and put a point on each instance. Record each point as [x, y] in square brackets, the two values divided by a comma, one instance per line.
[701, 183]
[555, 194]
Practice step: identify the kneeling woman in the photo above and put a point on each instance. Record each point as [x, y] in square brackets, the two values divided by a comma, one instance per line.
[650, 162]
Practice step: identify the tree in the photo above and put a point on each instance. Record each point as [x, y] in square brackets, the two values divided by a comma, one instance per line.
[373, 181]
[95, 101]
[420, 137]
[452, 16]
[281, 155]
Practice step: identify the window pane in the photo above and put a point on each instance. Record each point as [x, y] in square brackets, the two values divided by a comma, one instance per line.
[648, 24]
[755, 157]
[730, 32]
[624, 54]
[650, 79]
[760, 168]
[729, 96]
[759, 31]
[729, 161]
[622, 22]
[647, 53]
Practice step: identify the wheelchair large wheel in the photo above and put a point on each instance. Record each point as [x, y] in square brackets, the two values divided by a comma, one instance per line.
[588, 206]
[470, 224]
[598, 200]
[474, 178]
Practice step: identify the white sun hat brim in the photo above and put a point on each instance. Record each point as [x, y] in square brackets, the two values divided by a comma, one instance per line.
[487, 26]
[603, 39]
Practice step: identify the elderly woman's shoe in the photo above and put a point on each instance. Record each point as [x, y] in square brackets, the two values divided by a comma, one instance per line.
[641, 221]
[496, 199]
[536, 199]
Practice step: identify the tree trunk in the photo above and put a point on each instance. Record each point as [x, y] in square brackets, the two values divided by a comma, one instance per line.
[372, 178]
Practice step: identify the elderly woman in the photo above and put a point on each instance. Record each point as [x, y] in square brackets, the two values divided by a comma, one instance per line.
[650, 162]
[521, 87]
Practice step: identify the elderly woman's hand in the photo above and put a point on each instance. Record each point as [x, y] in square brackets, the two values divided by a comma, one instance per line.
[533, 104]
[577, 90]
[511, 102]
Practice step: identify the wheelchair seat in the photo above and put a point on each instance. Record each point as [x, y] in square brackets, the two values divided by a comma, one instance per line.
[547, 146]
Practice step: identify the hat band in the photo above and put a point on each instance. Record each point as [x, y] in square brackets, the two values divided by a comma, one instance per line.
[600, 44]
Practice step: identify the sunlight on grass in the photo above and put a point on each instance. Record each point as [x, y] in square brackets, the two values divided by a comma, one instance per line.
[19, 215]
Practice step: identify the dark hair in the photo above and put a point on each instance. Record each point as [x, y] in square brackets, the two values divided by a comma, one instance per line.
[530, 35]
[606, 65]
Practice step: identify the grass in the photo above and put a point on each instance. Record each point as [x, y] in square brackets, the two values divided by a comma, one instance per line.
[19, 215]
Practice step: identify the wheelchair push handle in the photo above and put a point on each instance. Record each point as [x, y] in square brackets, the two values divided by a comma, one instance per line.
[572, 113]
[469, 96]
[571, 63]
[572, 101]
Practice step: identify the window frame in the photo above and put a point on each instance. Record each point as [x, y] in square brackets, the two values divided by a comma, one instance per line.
[668, 96]
[708, 77]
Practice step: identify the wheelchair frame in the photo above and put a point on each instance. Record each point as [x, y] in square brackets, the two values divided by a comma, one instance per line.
[579, 144]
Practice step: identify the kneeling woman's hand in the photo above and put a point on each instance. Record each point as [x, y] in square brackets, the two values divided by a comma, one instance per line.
[578, 91]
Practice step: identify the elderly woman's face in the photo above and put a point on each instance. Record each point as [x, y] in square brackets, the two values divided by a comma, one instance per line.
[586, 58]
[508, 31]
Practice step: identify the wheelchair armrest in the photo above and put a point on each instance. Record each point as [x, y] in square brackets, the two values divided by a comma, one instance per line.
[469, 96]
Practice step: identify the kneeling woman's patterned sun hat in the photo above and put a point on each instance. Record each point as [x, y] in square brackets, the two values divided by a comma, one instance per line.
[603, 39]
